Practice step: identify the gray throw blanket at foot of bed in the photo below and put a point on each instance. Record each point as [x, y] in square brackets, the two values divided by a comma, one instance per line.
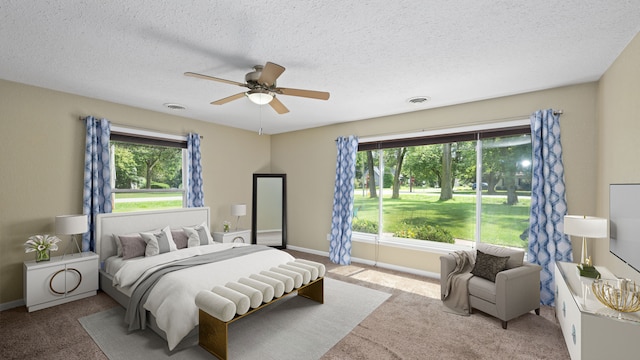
[135, 315]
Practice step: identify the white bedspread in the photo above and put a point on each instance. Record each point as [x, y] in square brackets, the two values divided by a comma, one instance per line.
[172, 300]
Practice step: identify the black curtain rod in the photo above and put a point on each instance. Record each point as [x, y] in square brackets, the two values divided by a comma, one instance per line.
[82, 118]
[555, 112]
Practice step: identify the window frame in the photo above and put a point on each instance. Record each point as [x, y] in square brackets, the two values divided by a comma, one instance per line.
[147, 137]
[430, 137]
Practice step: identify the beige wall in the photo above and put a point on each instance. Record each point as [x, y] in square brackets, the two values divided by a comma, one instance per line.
[618, 135]
[308, 158]
[41, 143]
[42, 157]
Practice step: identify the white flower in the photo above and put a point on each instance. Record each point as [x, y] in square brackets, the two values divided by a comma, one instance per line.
[41, 243]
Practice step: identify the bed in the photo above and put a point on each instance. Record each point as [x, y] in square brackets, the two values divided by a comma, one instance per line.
[169, 307]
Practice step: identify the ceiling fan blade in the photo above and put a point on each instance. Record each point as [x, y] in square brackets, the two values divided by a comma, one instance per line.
[207, 77]
[320, 95]
[228, 99]
[278, 106]
[270, 73]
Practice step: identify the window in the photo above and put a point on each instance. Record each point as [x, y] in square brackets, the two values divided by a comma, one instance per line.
[147, 170]
[449, 188]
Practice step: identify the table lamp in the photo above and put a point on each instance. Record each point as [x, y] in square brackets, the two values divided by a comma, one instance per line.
[587, 227]
[71, 225]
[238, 210]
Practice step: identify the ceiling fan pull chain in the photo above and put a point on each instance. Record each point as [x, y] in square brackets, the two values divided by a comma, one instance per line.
[260, 116]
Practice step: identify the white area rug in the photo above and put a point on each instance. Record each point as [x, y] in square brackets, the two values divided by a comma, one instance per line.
[292, 328]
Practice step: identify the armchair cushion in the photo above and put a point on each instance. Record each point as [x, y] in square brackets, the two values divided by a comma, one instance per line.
[483, 289]
[487, 266]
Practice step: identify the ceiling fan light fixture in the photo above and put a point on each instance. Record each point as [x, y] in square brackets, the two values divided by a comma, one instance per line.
[259, 96]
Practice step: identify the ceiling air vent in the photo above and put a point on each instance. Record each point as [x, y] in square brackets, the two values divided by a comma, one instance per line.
[417, 100]
[175, 106]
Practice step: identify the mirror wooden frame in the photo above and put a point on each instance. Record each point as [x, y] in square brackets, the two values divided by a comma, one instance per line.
[255, 211]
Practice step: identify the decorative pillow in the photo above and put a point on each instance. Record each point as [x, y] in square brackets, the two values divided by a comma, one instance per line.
[159, 243]
[180, 238]
[199, 235]
[116, 238]
[132, 245]
[487, 266]
[516, 256]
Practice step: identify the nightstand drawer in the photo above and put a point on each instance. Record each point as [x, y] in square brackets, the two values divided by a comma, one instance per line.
[240, 236]
[60, 280]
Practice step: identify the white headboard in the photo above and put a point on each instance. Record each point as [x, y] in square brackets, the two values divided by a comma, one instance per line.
[132, 222]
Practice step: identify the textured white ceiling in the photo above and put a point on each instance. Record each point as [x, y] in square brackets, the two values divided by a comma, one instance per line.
[370, 55]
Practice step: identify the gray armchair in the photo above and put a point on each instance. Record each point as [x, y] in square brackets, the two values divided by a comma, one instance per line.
[516, 289]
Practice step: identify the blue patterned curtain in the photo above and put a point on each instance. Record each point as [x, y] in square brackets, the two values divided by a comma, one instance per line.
[547, 241]
[340, 246]
[195, 195]
[97, 176]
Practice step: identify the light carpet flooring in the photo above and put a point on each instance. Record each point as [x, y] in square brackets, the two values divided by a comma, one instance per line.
[292, 328]
[409, 325]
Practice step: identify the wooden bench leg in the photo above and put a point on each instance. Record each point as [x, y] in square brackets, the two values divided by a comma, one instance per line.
[213, 335]
[313, 291]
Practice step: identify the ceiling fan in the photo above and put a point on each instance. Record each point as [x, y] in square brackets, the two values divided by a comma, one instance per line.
[261, 83]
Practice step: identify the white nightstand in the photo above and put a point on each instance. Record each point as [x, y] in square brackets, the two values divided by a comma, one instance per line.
[60, 280]
[240, 236]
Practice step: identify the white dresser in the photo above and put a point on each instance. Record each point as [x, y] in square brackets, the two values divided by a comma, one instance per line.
[60, 280]
[590, 329]
[239, 236]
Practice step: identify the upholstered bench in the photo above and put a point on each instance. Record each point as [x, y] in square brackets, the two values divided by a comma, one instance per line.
[223, 305]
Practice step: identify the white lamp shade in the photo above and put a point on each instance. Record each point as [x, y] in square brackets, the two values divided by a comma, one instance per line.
[71, 224]
[585, 226]
[259, 96]
[238, 210]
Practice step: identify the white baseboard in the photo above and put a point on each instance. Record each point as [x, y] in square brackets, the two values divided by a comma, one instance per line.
[11, 304]
[373, 263]
[310, 251]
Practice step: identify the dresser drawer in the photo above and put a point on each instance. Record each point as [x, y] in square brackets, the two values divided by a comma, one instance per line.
[569, 317]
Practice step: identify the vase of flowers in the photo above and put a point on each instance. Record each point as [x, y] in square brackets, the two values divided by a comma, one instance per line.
[225, 226]
[42, 245]
[44, 255]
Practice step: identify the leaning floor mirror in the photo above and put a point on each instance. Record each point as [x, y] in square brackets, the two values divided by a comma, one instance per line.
[269, 216]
